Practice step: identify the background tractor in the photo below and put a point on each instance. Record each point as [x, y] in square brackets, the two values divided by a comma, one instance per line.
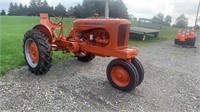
[88, 38]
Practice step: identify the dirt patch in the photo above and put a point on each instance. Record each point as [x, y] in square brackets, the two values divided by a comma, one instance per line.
[171, 83]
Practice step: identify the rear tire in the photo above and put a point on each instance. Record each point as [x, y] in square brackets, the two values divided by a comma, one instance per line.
[122, 75]
[37, 52]
[86, 58]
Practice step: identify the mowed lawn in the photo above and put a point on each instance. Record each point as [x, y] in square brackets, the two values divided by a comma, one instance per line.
[12, 33]
[13, 28]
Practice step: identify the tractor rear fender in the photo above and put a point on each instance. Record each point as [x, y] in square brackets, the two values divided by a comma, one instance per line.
[45, 30]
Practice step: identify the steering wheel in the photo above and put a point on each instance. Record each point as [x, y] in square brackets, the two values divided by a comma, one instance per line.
[56, 20]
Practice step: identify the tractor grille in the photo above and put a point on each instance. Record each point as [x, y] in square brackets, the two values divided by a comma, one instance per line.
[122, 34]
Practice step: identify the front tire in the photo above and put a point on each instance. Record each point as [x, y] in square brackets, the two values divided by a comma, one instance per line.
[37, 52]
[139, 68]
[122, 75]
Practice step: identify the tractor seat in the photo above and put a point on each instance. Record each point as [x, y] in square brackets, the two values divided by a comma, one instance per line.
[45, 21]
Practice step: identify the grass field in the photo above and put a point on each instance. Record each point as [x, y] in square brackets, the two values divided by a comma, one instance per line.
[11, 35]
[13, 28]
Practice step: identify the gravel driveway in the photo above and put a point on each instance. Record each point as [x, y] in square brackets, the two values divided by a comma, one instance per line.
[171, 83]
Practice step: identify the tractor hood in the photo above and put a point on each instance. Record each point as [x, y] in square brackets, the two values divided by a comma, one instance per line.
[98, 23]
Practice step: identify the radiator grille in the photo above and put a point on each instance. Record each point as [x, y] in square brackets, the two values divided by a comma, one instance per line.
[122, 34]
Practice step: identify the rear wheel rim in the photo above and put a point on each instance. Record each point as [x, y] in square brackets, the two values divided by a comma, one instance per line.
[120, 76]
[31, 52]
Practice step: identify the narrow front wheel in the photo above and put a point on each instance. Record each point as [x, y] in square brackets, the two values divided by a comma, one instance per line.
[139, 68]
[122, 75]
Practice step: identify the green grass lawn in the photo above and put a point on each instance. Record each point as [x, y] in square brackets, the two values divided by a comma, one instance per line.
[11, 36]
[12, 31]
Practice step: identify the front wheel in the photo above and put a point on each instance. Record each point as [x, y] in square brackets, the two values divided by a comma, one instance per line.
[37, 52]
[122, 75]
[139, 68]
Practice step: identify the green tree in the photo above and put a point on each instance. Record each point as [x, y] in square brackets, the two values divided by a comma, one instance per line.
[158, 18]
[45, 8]
[25, 10]
[118, 9]
[168, 20]
[60, 10]
[3, 12]
[132, 17]
[32, 8]
[11, 10]
[88, 7]
[181, 21]
[35, 7]
[70, 11]
[21, 10]
[16, 10]
[99, 7]
[197, 27]
[51, 11]
[78, 11]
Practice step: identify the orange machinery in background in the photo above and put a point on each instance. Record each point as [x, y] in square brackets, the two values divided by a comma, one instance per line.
[88, 38]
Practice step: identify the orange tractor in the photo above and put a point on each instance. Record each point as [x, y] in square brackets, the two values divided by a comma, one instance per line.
[88, 38]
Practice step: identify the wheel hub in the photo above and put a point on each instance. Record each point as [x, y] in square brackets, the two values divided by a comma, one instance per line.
[33, 50]
[120, 76]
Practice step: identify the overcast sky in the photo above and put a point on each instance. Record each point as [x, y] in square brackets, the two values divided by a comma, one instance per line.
[139, 8]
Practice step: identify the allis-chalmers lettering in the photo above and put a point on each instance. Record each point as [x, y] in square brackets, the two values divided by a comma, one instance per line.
[93, 23]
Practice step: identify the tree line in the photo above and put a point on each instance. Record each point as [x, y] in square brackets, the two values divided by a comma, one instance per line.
[86, 9]
[117, 9]
[181, 21]
[35, 8]
[160, 19]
